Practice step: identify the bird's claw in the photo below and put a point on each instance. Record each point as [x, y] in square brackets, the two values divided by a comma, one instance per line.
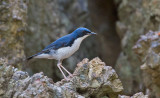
[70, 75]
[67, 79]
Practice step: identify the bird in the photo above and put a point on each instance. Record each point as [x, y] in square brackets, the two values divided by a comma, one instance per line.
[64, 47]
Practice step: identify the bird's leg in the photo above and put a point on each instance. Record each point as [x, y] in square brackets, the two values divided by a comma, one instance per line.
[67, 71]
[59, 66]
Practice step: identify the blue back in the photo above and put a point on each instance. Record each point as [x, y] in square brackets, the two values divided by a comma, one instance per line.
[61, 42]
[66, 40]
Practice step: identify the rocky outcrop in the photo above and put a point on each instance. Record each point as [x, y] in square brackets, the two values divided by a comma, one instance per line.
[91, 79]
[148, 49]
[51, 19]
[12, 28]
[136, 17]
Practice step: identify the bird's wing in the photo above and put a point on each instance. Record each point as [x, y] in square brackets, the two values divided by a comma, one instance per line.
[61, 42]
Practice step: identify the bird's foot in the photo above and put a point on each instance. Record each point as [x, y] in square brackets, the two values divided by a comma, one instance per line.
[67, 71]
[74, 74]
[70, 75]
[65, 79]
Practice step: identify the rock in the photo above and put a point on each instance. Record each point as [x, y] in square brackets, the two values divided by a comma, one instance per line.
[147, 48]
[95, 74]
[91, 79]
[136, 17]
[12, 29]
[137, 95]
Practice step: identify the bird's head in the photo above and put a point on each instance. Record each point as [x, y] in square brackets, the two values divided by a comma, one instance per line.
[81, 32]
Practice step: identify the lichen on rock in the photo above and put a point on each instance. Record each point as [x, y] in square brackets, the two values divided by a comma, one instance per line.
[91, 78]
[12, 28]
[136, 17]
[95, 74]
[148, 48]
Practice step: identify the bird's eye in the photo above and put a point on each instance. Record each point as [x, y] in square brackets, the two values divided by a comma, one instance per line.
[87, 32]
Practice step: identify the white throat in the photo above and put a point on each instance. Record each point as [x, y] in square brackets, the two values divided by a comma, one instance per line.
[79, 40]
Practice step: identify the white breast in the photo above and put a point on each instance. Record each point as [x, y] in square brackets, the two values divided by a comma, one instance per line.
[66, 52]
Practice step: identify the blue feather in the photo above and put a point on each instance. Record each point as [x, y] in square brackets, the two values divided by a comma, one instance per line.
[64, 41]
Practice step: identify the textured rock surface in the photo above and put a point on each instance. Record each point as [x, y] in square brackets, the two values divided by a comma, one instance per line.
[137, 95]
[136, 17]
[12, 28]
[91, 79]
[148, 49]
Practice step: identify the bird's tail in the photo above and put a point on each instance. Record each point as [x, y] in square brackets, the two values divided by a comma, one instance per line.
[31, 57]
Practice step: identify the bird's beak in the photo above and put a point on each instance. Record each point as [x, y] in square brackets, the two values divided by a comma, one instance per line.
[93, 33]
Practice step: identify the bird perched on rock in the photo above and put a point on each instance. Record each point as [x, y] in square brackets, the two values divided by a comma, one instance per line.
[64, 47]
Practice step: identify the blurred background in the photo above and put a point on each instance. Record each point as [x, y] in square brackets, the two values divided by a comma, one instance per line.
[119, 24]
